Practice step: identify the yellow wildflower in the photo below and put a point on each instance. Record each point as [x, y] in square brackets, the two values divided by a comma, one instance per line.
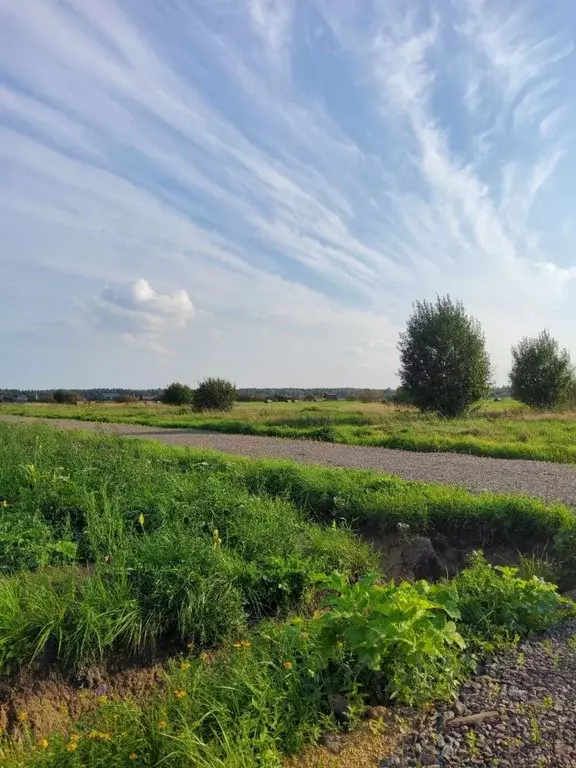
[141, 519]
[184, 666]
[216, 540]
[287, 665]
[102, 699]
[242, 644]
[72, 746]
[179, 694]
[43, 743]
[162, 724]
[22, 716]
[132, 756]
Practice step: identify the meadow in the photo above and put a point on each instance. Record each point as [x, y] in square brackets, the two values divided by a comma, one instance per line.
[254, 585]
[503, 429]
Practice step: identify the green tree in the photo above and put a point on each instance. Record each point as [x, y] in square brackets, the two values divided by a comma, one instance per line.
[214, 395]
[66, 397]
[444, 365]
[177, 394]
[542, 374]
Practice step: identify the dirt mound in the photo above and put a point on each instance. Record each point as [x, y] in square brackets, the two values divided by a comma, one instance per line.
[52, 703]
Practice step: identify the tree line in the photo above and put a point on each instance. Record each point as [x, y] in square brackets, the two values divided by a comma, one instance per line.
[445, 367]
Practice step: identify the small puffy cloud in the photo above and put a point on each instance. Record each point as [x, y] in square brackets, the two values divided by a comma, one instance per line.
[139, 313]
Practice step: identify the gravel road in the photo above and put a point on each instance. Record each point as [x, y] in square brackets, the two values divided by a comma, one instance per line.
[552, 482]
[521, 713]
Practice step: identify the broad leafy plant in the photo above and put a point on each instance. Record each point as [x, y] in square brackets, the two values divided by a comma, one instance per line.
[401, 639]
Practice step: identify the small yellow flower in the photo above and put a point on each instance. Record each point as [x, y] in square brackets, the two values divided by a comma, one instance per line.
[242, 644]
[287, 665]
[72, 746]
[162, 724]
[266, 637]
[132, 756]
[216, 540]
[189, 645]
[75, 737]
[102, 699]
[43, 743]
[179, 694]
[297, 620]
[141, 519]
[22, 716]
[206, 657]
[4, 504]
[184, 666]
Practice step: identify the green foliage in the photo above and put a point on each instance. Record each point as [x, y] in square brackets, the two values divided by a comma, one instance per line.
[407, 635]
[444, 365]
[65, 397]
[497, 605]
[542, 375]
[214, 395]
[169, 547]
[177, 394]
[185, 588]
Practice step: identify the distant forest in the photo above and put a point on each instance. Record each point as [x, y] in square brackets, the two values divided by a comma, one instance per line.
[249, 394]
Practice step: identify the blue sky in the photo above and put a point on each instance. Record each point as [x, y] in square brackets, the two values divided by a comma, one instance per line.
[259, 189]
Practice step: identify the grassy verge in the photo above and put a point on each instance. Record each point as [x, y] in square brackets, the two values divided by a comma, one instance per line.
[112, 546]
[255, 701]
[515, 433]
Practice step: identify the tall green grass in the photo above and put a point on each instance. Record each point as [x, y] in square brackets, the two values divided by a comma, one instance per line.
[110, 546]
[143, 548]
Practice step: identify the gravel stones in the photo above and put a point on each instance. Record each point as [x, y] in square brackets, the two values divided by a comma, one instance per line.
[522, 713]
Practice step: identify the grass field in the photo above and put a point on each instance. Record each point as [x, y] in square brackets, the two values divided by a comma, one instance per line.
[117, 549]
[500, 429]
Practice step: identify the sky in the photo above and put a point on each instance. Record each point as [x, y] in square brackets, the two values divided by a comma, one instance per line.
[260, 189]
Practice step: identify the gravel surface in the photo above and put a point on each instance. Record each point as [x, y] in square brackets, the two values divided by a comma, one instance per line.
[552, 482]
[520, 714]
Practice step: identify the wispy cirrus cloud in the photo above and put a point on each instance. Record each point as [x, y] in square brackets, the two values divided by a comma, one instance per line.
[301, 171]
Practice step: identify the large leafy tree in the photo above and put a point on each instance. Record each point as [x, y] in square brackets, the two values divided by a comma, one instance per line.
[542, 374]
[444, 366]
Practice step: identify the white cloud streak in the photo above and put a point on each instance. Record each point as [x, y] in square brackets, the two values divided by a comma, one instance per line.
[186, 142]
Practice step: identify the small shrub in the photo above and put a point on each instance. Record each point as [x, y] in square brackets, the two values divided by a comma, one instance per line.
[497, 605]
[65, 397]
[177, 394]
[214, 395]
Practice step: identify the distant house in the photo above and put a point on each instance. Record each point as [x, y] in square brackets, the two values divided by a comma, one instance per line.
[329, 396]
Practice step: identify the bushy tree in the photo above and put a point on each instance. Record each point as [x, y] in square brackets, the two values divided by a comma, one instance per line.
[444, 365]
[542, 375]
[65, 397]
[177, 394]
[214, 395]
